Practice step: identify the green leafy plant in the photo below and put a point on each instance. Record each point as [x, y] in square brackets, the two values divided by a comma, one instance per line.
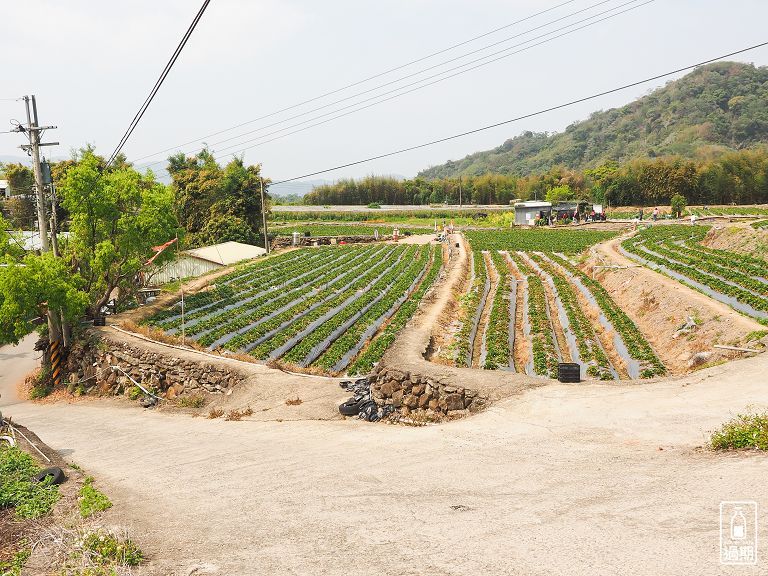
[104, 548]
[749, 430]
[17, 489]
[91, 499]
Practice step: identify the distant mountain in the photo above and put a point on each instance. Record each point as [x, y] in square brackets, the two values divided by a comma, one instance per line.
[716, 107]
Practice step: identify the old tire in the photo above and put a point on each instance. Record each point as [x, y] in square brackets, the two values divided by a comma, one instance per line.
[54, 472]
[350, 408]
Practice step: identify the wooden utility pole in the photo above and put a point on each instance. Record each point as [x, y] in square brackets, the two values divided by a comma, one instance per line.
[264, 213]
[34, 131]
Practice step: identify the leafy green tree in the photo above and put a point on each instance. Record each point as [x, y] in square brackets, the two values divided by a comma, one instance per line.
[116, 216]
[560, 193]
[32, 286]
[216, 204]
[678, 204]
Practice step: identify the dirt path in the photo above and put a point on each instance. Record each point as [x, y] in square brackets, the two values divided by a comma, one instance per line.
[520, 352]
[564, 480]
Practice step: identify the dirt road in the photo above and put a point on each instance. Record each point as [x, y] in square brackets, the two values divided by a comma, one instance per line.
[589, 479]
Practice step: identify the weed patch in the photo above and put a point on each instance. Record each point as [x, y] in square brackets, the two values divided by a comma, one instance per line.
[91, 499]
[17, 489]
[745, 431]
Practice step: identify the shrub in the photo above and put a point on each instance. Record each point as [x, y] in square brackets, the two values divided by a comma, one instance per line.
[744, 431]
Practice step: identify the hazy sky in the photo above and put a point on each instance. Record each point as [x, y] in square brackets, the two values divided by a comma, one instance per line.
[91, 64]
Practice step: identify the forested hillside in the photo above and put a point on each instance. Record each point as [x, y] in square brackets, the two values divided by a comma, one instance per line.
[715, 108]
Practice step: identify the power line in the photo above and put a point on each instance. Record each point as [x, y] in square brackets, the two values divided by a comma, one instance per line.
[571, 31]
[530, 115]
[158, 83]
[364, 80]
[506, 53]
[375, 88]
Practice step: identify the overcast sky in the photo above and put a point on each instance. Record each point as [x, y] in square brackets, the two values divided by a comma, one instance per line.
[91, 64]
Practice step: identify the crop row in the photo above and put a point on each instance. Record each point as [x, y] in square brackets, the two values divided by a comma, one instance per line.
[339, 339]
[497, 333]
[365, 362]
[545, 357]
[242, 295]
[637, 346]
[347, 230]
[590, 350]
[568, 241]
[314, 338]
[471, 305]
[262, 338]
[293, 288]
[224, 326]
[728, 286]
[222, 290]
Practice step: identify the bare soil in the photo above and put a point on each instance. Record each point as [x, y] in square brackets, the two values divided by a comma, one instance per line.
[520, 352]
[740, 238]
[450, 314]
[660, 306]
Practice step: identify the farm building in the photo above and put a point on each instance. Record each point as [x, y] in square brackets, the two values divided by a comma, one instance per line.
[5, 189]
[526, 213]
[198, 261]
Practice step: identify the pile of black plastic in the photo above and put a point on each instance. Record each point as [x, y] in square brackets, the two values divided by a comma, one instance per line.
[361, 404]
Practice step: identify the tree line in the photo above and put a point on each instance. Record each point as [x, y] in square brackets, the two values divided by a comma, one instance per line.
[736, 177]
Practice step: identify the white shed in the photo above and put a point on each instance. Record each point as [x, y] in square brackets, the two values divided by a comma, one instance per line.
[198, 261]
[5, 189]
[526, 213]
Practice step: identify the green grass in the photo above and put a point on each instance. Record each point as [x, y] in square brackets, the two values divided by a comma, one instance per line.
[193, 401]
[17, 490]
[91, 499]
[344, 230]
[745, 431]
[105, 549]
[13, 566]
[756, 335]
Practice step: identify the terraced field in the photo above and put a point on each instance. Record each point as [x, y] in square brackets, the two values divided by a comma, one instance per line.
[528, 307]
[335, 309]
[738, 280]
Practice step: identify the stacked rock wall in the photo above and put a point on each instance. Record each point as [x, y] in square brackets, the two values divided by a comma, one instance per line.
[417, 392]
[90, 365]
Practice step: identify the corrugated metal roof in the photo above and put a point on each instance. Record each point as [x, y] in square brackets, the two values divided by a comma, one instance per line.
[227, 252]
[533, 204]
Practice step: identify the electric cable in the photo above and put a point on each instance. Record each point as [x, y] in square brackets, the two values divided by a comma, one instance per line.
[158, 83]
[523, 117]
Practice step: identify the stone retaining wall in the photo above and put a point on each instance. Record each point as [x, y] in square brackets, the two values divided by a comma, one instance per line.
[90, 366]
[434, 396]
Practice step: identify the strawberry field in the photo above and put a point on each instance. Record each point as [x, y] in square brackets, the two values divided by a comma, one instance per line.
[328, 308]
[528, 307]
[739, 280]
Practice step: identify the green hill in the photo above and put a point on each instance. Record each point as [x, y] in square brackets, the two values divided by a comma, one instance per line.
[718, 107]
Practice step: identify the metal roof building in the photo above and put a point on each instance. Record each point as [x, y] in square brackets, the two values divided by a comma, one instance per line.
[199, 261]
[527, 212]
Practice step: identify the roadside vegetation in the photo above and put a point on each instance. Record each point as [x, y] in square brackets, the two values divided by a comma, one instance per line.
[43, 524]
[743, 432]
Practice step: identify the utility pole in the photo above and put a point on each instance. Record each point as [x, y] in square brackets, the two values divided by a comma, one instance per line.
[34, 131]
[264, 212]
